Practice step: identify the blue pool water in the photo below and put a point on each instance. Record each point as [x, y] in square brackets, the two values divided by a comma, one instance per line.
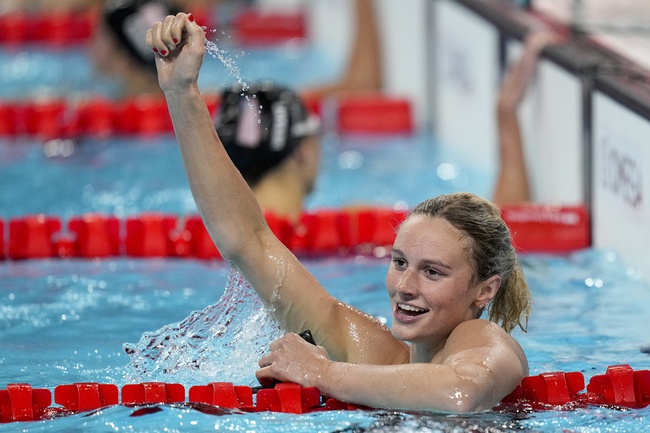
[131, 175]
[36, 72]
[65, 321]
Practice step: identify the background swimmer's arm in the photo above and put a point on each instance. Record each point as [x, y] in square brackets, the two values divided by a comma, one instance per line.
[512, 183]
[233, 216]
[483, 364]
[364, 72]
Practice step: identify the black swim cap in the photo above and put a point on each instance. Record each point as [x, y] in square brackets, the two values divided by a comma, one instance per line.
[261, 125]
[129, 20]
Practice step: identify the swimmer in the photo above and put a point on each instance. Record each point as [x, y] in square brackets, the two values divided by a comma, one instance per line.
[364, 69]
[117, 49]
[512, 184]
[274, 142]
[452, 261]
[283, 173]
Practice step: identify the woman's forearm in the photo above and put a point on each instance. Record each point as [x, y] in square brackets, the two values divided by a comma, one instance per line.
[431, 387]
[226, 203]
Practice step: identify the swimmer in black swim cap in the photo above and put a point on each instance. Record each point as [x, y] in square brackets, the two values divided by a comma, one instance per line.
[273, 141]
[118, 48]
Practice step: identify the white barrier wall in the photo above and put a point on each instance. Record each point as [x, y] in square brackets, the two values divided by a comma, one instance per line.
[621, 182]
[466, 71]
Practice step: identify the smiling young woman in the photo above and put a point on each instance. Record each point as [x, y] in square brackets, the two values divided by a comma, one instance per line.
[452, 257]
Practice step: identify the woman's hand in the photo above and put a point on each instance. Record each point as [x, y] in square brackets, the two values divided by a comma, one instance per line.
[292, 359]
[180, 46]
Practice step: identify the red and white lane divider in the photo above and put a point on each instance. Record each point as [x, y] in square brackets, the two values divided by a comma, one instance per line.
[363, 231]
[61, 29]
[620, 386]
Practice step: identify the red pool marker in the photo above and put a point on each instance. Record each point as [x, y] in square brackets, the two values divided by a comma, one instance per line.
[31, 236]
[255, 27]
[146, 115]
[554, 388]
[548, 228]
[8, 119]
[622, 386]
[377, 228]
[97, 118]
[322, 232]
[59, 29]
[223, 394]
[96, 235]
[153, 392]
[202, 245]
[281, 228]
[288, 398]
[377, 114]
[14, 28]
[21, 402]
[45, 118]
[85, 396]
[148, 235]
[63, 29]
[2, 239]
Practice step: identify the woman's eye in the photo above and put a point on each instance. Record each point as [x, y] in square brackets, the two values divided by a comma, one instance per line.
[432, 272]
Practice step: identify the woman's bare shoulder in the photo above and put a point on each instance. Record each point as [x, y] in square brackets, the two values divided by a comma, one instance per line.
[484, 339]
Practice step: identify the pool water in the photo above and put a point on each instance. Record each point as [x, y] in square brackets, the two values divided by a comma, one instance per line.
[66, 321]
[124, 176]
[36, 73]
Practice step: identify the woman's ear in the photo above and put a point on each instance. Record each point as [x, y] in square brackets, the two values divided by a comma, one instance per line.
[488, 290]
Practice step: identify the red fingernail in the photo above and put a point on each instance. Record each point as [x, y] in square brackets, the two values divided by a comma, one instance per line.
[190, 17]
[155, 50]
[163, 52]
[175, 40]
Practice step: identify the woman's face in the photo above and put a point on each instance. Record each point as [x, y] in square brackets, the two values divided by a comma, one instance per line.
[430, 281]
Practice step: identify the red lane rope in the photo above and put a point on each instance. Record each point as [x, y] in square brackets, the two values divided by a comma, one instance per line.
[97, 117]
[359, 231]
[148, 115]
[250, 26]
[620, 386]
[57, 29]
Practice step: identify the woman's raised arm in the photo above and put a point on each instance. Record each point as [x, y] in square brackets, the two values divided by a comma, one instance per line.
[234, 219]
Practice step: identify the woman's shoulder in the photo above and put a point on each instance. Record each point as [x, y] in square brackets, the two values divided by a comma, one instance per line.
[481, 333]
[487, 338]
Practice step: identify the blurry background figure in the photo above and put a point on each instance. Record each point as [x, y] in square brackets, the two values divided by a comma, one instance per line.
[47, 6]
[512, 185]
[270, 135]
[274, 143]
[118, 50]
[363, 72]
[117, 47]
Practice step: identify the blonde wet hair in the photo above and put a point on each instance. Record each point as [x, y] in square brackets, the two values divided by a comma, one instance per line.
[492, 252]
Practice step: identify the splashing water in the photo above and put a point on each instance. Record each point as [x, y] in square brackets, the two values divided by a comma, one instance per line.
[215, 52]
[223, 343]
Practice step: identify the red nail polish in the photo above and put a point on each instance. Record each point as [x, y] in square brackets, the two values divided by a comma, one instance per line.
[190, 17]
[175, 40]
[155, 50]
[163, 52]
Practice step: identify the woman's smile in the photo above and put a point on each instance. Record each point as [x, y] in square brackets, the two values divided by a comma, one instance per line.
[407, 313]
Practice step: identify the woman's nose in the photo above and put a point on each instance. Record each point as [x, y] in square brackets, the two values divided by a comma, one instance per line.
[406, 284]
